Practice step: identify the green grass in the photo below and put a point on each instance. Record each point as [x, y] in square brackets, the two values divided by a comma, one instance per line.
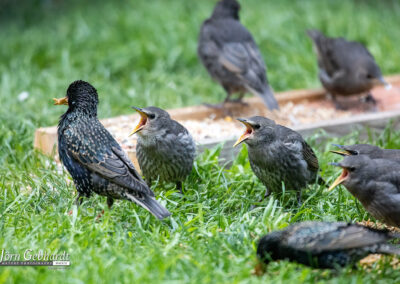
[142, 53]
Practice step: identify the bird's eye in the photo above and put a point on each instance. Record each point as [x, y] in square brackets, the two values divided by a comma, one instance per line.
[257, 126]
[351, 169]
[369, 76]
[151, 115]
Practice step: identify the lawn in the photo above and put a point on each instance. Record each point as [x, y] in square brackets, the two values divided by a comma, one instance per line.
[144, 53]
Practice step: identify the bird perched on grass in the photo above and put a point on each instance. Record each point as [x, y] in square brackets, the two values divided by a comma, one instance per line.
[94, 159]
[375, 183]
[345, 67]
[165, 149]
[325, 244]
[372, 151]
[278, 154]
[229, 53]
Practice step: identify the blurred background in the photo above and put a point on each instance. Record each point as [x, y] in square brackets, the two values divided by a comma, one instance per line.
[145, 52]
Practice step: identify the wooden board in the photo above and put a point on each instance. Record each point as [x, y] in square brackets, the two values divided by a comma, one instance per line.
[46, 138]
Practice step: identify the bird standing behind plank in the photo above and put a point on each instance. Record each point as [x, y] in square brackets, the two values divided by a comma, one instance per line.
[324, 244]
[375, 183]
[278, 154]
[372, 151]
[345, 67]
[94, 159]
[165, 149]
[229, 53]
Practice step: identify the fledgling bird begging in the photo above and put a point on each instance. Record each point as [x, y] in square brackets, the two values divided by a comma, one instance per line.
[94, 159]
[165, 149]
[229, 53]
[375, 183]
[324, 244]
[345, 67]
[372, 151]
[278, 154]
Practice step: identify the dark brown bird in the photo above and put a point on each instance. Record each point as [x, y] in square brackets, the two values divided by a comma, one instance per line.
[278, 154]
[372, 151]
[94, 159]
[345, 67]
[165, 149]
[325, 244]
[375, 183]
[229, 53]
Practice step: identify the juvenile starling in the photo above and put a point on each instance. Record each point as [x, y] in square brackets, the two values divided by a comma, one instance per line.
[325, 244]
[345, 67]
[278, 154]
[165, 149]
[94, 159]
[372, 151]
[375, 183]
[229, 53]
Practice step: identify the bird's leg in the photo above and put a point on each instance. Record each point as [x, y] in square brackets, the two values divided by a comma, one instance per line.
[110, 202]
[238, 100]
[78, 202]
[338, 105]
[267, 193]
[370, 99]
[299, 198]
[179, 186]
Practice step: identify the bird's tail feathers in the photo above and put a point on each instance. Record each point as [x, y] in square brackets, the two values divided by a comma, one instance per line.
[268, 98]
[315, 35]
[150, 204]
[388, 249]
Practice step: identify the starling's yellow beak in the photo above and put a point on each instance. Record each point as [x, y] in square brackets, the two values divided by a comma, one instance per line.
[142, 122]
[340, 179]
[246, 134]
[342, 153]
[62, 101]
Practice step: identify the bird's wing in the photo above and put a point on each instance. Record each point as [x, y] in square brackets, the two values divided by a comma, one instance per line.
[335, 236]
[108, 160]
[310, 157]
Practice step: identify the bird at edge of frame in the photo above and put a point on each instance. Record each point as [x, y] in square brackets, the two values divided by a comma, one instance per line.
[94, 158]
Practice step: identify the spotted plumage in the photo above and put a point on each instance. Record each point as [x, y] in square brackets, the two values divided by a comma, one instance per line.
[231, 56]
[325, 244]
[165, 149]
[278, 155]
[94, 159]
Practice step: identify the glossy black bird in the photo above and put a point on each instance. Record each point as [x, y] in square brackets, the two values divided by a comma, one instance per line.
[94, 159]
[372, 151]
[345, 67]
[278, 155]
[324, 244]
[375, 183]
[165, 149]
[229, 53]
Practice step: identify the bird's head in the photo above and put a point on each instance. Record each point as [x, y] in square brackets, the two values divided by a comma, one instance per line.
[258, 130]
[373, 74]
[80, 96]
[268, 246]
[226, 9]
[356, 149]
[153, 120]
[353, 172]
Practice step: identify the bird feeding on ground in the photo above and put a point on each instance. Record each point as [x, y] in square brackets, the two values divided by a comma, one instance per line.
[375, 183]
[325, 244]
[278, 154]
[94, 159]
[231, 56]
[165, 149]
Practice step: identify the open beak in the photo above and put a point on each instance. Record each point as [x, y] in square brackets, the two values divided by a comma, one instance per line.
[142, 122]
[341, 178]
[62, 101]
[246, 134]
[342, 153]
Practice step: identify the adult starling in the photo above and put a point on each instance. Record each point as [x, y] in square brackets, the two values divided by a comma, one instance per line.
[278, 154]
[325, 244]
[372, 151]
[345, 67]
[375, 183]
[165, 149]
[229, 53]
[94, 159]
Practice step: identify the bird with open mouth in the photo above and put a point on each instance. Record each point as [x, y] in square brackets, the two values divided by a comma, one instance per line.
[375, 183]
[278, 155]
[94, 158]
[165, 149]
[372, 151]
